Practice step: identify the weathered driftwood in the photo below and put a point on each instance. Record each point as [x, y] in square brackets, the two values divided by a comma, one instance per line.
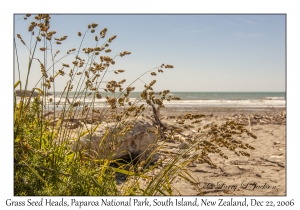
[278, 163]
[259, 119]
[115, 141]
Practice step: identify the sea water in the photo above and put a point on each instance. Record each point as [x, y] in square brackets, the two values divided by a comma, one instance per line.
[189, 99]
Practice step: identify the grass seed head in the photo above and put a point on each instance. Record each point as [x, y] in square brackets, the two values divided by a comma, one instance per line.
[122, 81]
[87, 74]
[124, 53]
[169, 66]
[112, 38]
[61, 38]
[94, 25]
[98, 95]
[31, 26]
[61, 72]
[103, 32]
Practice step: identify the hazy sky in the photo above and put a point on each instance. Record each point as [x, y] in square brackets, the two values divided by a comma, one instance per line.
[209, 52]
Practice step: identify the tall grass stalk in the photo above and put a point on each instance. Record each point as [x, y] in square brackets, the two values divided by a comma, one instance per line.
[47, 155]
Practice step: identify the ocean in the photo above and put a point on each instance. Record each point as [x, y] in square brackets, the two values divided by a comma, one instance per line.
[201, 99]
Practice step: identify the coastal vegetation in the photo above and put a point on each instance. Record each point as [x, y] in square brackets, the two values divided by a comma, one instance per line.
[49, 158]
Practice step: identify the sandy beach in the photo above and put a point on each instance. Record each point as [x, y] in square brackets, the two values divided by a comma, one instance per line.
[263, 173]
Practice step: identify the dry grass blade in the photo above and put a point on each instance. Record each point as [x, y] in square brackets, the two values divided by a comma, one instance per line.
[56, 132]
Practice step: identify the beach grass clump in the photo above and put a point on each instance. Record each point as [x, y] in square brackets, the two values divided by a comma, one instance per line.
[49, 157]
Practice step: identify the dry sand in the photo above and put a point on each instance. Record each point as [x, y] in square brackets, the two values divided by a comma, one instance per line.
[263, 173]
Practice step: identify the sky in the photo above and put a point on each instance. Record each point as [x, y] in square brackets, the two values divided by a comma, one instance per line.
[210, 53]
